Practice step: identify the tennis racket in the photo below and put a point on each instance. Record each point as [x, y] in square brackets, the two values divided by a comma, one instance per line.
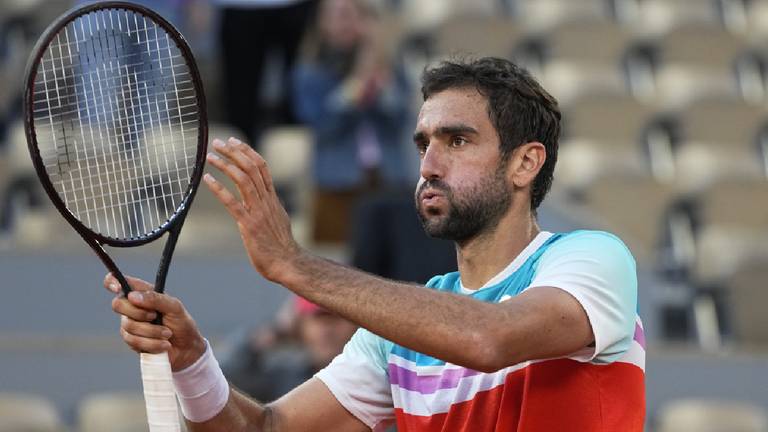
[116, 124]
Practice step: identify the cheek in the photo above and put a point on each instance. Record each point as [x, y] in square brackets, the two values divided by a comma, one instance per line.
[419, 183]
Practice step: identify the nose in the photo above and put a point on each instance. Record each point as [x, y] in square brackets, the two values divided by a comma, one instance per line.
[432, 163]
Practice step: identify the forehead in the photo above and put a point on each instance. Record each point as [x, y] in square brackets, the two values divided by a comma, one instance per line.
[455, 106]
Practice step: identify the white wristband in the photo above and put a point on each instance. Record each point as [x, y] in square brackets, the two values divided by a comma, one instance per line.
[202, 389]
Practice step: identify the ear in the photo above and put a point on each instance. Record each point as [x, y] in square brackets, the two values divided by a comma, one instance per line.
[526, 162]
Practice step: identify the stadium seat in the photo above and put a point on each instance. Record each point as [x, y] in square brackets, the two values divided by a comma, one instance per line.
[18, 154]
[581, 162]
[31, 226]
[720, 139]
[476, 34]
[27, 413]
[288, 151]
[113, 412]
[757, 22]
[733, 218]
[545, 15]
[588, 39]
[602, 134]
[631, 206]
[726, 120]
[568, 79]
[570, 70]
[606, 116]
[421, 15]
[695, 61]
[655, 17]
[746, 297]
[692, 415]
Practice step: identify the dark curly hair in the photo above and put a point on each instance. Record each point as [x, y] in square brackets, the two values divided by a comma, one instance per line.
[519, 108]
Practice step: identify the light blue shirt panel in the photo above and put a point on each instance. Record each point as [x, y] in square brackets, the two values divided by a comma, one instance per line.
[598, 269]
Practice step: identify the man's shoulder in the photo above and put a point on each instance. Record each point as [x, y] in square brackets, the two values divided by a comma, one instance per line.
[444, 282]
[587, 241]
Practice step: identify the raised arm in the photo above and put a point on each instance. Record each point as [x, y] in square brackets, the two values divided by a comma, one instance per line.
[541, 323]
[311, 406]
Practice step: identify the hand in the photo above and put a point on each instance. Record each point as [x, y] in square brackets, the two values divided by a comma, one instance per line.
[263, 222]
[371, 76]
[178, 335]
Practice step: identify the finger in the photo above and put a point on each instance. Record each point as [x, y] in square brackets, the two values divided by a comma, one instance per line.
[151, 300]
[246, 159]
[261, 176]
[112, 284]
[262, 179]
[124, 307]
[243, 181]
[144, 329]
[139, 284]
[144, 344]
[233, 206]
[257, 160]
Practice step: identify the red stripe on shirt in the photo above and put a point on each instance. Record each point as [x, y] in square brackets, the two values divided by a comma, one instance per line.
[547, 396]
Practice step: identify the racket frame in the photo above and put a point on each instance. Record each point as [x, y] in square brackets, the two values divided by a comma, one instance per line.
[173, 225]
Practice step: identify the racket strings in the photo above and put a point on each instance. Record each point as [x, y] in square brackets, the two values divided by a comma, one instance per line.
[78, 90]
[115, 47]
[128, 68]
[61, 172]
[116, 117]
[54, 110]
[161, 120]
[175, 175]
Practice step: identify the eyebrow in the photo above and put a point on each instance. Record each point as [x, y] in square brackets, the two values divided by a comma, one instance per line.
[456, 129]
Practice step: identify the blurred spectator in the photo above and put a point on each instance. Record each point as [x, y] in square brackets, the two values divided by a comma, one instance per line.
[15, 30]
[253, 32]
[269, 362]
[356, 101]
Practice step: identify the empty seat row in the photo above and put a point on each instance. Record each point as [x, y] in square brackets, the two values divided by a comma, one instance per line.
[748, 19]
[106, 412]
[578, 56]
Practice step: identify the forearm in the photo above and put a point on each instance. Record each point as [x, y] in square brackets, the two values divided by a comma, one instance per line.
[453, 328]
[239, 414]
[441, 325]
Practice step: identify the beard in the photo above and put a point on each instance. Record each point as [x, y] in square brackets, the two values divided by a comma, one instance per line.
[471, 212]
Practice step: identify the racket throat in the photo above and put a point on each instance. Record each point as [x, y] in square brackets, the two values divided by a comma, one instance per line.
[165, 260]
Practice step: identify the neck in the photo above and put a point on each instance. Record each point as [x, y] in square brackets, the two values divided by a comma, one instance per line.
[485, 255]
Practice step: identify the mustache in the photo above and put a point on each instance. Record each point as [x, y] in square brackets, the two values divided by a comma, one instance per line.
[434, 184]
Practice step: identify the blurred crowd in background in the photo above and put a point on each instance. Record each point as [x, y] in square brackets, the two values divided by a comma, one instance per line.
[665, 143]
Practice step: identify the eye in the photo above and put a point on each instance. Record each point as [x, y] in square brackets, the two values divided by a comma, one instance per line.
[421, 146]
[458, 141]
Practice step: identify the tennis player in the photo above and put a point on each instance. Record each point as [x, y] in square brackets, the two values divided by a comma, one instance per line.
[538, 331]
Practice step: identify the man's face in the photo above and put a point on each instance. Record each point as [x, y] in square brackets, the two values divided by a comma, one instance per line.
[463, 190]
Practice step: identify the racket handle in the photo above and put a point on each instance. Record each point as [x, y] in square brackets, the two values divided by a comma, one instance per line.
[159, 394]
